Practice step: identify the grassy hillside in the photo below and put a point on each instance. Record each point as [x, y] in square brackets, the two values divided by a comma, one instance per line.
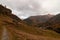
[15, 30]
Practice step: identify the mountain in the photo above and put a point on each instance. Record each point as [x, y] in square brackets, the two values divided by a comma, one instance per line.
[13, 28]
[35, 20]
[53, 23]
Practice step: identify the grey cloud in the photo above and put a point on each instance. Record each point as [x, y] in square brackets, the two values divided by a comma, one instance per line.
[24, 6]
[29, 7]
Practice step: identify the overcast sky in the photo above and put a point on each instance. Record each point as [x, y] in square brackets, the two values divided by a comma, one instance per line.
[26, 8]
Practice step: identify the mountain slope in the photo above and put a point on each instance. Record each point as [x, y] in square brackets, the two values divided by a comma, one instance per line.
[35, 20]
[53, 23]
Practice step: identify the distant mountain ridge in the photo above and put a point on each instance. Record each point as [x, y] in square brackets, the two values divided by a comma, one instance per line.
[33, 20]
[53, 23]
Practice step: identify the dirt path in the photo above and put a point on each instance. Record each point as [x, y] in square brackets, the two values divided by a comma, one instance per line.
[5, 34]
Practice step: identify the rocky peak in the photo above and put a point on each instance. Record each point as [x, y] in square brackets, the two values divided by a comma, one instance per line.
[4, 10]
